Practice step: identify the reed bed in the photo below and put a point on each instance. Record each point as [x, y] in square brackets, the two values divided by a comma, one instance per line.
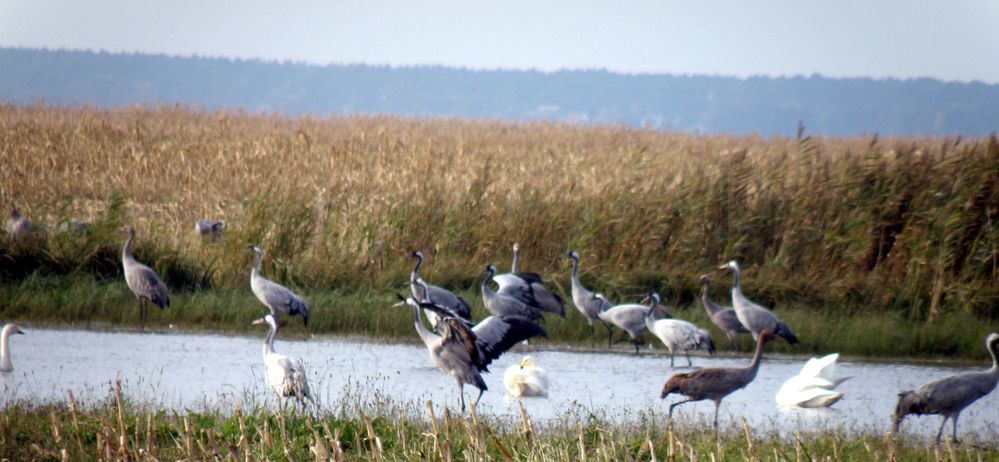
[366, 427]
[835, 228]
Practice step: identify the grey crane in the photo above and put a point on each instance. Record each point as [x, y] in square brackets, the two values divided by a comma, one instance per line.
[715, 383]
[755, 317]
[19, 226]
[464, 352]
[273, 295]
[677, 334]
[586, 301]
[142, 280]
[950, 395]
[439, 295]
[213, 229]
[8, 330]
[722, 316]
[528, 287]
[504, 305]
[285, 376]
[629, 317]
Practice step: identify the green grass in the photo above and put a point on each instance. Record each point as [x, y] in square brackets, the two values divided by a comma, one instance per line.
[90, 303]
[369, 426]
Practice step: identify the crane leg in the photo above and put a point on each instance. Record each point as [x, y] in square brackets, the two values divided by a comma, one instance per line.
[476, 403]
[461, 393]
[610, 334]
[687, 354]
[142, 314]
[940, 431]
[635, 341]
[717, 403]
[593, 336]
[954, 421]
[671, 406]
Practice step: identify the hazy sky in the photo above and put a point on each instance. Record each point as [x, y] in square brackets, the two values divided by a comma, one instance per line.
[949, 40]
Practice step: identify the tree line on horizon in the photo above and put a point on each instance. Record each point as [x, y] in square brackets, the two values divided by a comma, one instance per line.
[688, 103]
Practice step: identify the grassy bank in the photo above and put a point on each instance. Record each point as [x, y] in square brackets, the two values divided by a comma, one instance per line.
[892, 237]
[85, 302]
[377, 428]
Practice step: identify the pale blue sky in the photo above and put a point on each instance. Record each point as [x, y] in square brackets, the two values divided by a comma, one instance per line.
[949, 40]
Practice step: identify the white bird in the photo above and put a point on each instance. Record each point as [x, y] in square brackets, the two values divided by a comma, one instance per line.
[463, 352]
[526, 379]
[273, 295]
[142, 280]
[208, 228]
[629, 317]
[528, 287]
[755, 317]
[677, 334]
[814, 386]
[5, 364]
[950, 395]
[284, 376]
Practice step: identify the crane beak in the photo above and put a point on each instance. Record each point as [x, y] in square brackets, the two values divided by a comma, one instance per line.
[260, 321]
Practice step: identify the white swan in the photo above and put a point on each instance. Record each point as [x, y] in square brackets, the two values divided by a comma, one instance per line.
[814, 386]
[5, 364]
[526, 379]
[285, 376]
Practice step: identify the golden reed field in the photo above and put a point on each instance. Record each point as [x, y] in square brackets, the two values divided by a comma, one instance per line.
[906, 225]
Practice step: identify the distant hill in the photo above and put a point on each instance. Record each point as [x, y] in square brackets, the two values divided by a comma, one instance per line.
[702, 104]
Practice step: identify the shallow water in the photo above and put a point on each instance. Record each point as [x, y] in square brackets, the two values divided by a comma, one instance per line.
[191, 371]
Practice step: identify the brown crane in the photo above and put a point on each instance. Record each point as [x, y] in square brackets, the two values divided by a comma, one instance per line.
[716, 383]
[950, 395]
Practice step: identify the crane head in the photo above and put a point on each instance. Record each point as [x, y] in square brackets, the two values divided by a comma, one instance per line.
[573, 255]
[417, 254]
[704, 280]
[732, 265]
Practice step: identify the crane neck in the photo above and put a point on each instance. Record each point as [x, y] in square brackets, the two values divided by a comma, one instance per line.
[993, 351]
[515, 266]
[256, 263]
[736, 286]
[709, 304]
[485, 283]
[416, 269]
[126, 252]
[757, 355]
[575, 271]
[429, 338]
[5, 363]
[269, 341]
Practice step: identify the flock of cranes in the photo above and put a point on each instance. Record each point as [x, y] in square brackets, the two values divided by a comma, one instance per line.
[463, 349]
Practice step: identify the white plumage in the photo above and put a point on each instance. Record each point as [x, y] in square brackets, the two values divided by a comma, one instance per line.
[526, 379]
[814, 386]
[285, 376]
[676, 334]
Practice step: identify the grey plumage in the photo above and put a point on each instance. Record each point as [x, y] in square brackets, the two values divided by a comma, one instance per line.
[464, 352]
[142, 280]
[588, 305]
[439, 295]
[629, 317]
[528, 287]
[677, 334]
[278, 298]
[285, 376]
[214, 229]
[950, 395]
[755, 317]
[19, 226]
[722, 316]
[505, 305]
[716, 383]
